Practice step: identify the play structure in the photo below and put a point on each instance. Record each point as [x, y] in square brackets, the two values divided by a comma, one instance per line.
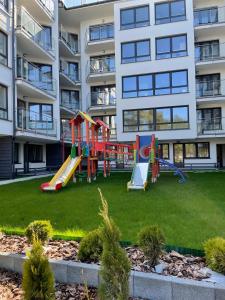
[94, 148]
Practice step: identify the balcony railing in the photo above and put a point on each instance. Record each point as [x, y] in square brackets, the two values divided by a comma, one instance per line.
[74, 3]
[215, 126]
[34, 30]
[69, 40]
[5, 4]
[209, 16]
[102, 65]
[99, 33]
[209, 52]
[102, 99]
[74, 106]
[49, 6]
[35, 123]
[31, 74]
[66, 70]
[212, 88]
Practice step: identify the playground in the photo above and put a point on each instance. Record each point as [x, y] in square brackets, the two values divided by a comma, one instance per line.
[188, 213]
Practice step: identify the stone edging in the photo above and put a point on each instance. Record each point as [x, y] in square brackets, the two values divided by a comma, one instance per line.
[143, 285]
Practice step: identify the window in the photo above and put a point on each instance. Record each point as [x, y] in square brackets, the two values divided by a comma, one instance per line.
[169, 47]
[135, 51]
[3, 102]
[5, 3]
[16, 153]
[35, 153]
[164, 151]
[196, 150]
[168, 12]
[174, 82]
[168, 118]
[101, 32]
[70, 99]
[44, 38]
[134, 17]
[3, 48]
[40, 116]
[206, 16]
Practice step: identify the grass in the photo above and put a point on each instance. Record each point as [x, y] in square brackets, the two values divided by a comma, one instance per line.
[188, 213]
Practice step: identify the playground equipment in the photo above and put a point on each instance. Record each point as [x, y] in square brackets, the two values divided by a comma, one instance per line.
[95, 146]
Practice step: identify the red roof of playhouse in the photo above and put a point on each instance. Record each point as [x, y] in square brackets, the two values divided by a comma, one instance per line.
[100, 123]
[81, 117]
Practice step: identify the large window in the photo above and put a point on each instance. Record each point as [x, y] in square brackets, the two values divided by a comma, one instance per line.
[70, 99]
[173, 46]
[101, 32]
[135, 51]
[3, 102]
[196, 150]
[173, 82]
[35, 153]
[172, 11]
[3, 48]
[40, 116]
[168, 118]
[134, 17]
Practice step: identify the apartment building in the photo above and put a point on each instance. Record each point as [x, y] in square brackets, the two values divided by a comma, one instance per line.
[142, 66]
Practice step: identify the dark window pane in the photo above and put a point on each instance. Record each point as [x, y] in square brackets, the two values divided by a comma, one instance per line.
[130, 117]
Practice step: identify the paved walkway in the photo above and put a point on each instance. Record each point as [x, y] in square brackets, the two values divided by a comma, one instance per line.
[4, 182]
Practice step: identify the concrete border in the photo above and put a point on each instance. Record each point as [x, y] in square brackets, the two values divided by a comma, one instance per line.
[144, 285]
[9, 181]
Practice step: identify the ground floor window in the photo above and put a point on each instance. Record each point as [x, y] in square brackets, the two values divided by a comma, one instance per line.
[35, 153]
[164, 151]
[196, 150]
[156, 119]
[3, 102]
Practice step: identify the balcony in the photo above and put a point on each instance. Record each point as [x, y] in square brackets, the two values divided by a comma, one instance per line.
[101, 100]
[77, 3]
[208, 54]
[32, 38]
[211, 127]
[100, 37]
[32, 83]
[207, 19]
[32, 123]
[69, 74]
[68, 44]
[101, 69]
[210, 91]
[43, 10]
[69, 107]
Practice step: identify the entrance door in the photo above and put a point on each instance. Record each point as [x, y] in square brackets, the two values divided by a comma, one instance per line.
[178, 153]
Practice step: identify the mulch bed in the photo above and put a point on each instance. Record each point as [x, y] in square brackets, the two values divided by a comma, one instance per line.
[171, 263]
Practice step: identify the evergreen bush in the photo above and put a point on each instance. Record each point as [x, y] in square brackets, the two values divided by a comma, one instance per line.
[115, 265]
[151, 240]
[215, 254]
[41, 230]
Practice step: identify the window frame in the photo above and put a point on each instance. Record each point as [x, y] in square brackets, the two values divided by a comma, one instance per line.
[42, 154]
[155, 121]
[135, 17]
[5, 110]
[99, 28]
[196, 150]
[6, 56]
[77, 92]
[41, 114]
[170, 17]
[135, 57]
[171, 52]
[154, 89]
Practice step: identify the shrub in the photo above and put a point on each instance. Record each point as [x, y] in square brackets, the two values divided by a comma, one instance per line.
[91, 246]
[115, 266]
[215, 254]
[38, 279]
[42, 230]
[151, 240]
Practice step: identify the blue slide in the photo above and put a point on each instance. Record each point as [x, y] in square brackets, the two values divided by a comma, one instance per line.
[177, 171]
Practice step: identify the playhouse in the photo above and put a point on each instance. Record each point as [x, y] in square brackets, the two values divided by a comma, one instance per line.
[91, 142]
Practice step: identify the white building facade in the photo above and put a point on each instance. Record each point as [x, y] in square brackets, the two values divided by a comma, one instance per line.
[144, 67]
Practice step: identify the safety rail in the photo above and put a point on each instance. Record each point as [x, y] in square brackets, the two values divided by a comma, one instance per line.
[49, 6]
[101, 99]
[99, 33]
[209, 16]
[74, 106]
[69, 39]
[214, 126]
[34, 31]
[73, 75]
[209, 51]
[210, 88]
[36, 123]
[30, 73]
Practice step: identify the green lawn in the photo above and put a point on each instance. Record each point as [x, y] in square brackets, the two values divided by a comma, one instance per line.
[188, 213]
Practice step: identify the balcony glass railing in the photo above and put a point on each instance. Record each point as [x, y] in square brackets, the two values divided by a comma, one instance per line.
[33, 75]
[207, 16]
[35, 31]
[74, 106]
[70, 70]
[49, 6]
[209, 52]
[102, 98]
[101, 32]
[211, 126]
[210, 88]
[30, 121]
[70, 40]
[102, 65]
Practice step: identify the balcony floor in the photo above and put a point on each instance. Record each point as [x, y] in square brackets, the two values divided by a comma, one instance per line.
[66, 81]
[37, 10]
[65, 51]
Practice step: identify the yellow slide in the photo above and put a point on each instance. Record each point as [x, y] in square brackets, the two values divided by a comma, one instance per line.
[63, 175]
